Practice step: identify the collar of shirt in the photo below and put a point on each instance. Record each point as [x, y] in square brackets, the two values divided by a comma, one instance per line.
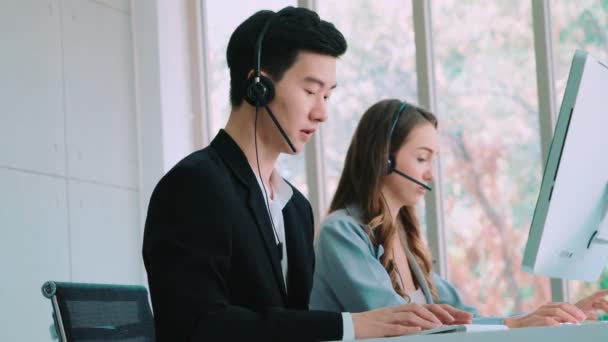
[282, 191]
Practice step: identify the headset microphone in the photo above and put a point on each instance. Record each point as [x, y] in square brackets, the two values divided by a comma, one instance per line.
[276, 122]
[412, 179]
[392, 164]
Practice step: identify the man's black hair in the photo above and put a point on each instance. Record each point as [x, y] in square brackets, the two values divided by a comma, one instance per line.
[292, 30]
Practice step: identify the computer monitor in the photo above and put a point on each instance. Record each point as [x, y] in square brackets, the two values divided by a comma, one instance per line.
[569, 233]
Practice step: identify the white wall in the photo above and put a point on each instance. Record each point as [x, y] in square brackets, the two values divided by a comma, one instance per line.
[167, 67]
[69, 178]
[98, 99]
[176, 71]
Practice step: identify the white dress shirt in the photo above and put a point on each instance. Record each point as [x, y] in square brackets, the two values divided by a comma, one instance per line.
[279, 195]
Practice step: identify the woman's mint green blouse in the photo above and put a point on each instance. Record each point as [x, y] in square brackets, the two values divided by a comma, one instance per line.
[349, 276]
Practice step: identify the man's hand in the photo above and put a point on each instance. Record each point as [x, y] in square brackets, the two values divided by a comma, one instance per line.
[394, 321]
[593, 303]
[548, 314]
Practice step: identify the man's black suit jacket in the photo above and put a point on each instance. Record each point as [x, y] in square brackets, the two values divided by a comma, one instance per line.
[212, 261]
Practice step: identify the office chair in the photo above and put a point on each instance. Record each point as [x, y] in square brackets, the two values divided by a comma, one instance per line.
[100, 312]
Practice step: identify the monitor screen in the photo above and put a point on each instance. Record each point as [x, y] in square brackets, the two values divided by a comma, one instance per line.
[569, 233]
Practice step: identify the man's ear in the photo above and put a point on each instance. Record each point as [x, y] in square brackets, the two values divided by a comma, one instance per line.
[251, 74]
[265, 74]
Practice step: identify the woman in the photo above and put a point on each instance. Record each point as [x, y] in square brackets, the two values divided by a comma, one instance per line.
[370, 252]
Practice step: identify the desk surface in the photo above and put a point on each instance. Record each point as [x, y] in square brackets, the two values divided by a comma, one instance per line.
[564, 333]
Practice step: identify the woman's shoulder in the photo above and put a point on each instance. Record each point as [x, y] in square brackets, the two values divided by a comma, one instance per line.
[342, 219]
[343, 233]
[344, 223]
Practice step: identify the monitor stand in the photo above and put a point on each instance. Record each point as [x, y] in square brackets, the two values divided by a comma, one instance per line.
[600, 236]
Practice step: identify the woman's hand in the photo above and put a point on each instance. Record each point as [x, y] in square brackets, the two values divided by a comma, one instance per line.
[593, 303]
[548, 314]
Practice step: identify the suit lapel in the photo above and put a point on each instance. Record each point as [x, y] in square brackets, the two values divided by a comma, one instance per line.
[234, 157]
[260, 213]
[296, 240]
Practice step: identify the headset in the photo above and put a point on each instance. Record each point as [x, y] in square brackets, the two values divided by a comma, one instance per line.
[260, 89]
[259, 92]
[392, 162]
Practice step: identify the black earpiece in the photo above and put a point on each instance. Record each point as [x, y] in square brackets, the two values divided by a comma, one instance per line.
[259, 90]
[391, 164]
[259, 93]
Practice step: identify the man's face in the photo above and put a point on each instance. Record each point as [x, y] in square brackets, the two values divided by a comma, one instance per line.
[300, 104]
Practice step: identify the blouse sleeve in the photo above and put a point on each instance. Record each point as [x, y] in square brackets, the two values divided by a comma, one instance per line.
[349, 272]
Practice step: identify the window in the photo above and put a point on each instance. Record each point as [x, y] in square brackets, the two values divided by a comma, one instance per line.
[379, 64]
[487, 105]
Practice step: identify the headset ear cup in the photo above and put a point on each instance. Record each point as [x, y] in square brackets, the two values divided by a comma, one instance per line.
[267, 92]
[259, 93]
[249, 94]
[391, 164]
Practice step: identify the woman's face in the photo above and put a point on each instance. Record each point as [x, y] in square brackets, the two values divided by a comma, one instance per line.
[415, 158]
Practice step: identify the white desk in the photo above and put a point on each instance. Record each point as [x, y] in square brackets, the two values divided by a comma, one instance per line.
[564, 333]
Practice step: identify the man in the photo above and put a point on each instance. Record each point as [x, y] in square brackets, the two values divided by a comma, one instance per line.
[228, 243]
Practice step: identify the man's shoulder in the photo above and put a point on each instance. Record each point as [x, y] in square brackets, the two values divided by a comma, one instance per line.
[203, 167]
[207, 158]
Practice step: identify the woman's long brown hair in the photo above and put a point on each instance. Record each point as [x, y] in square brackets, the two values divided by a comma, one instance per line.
[366, 165]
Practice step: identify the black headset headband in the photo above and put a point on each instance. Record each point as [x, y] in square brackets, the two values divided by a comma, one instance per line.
[396, 117]
[258, 47]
